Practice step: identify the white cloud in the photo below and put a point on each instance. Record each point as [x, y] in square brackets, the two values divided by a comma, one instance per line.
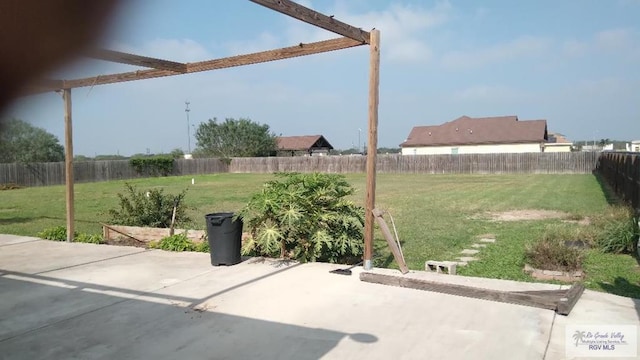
[402, 28]
[265, 41]
[613, 39]
[623, 43]
[519, 48]
[572, 48]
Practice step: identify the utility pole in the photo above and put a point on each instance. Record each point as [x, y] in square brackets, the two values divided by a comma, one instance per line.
[359, 133]
[186, 110]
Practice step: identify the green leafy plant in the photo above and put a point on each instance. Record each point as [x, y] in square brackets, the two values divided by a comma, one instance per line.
[306, 217]
[177, 242]
[89, 238]
[551, 252]
[150, 208]
[202, 246]
[58, 233]
[153, 165]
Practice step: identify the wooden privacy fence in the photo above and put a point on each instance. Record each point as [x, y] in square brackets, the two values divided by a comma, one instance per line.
[530, 163]
[43, 174]
[621, 171]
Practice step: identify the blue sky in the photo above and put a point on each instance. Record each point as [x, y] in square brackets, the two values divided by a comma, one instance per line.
[574, 63]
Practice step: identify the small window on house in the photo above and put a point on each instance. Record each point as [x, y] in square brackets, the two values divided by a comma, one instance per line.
[454, 151]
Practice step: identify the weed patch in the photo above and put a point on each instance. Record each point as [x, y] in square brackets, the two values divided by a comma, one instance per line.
[552, 253]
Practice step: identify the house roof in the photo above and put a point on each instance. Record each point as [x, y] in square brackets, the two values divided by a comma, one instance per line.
[487, 130]
[306, 142]
[558, 138]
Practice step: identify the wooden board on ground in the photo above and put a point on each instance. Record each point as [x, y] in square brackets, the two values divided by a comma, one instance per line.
[561, 301]
[393, 246]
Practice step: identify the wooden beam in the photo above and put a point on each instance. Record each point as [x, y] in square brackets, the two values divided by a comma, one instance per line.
[68, 161]
[395, 250]
[315, 18]
[568, 301]
[538, 301]
[372, 147]
[137, 60]
[240, 60]
[272, 55]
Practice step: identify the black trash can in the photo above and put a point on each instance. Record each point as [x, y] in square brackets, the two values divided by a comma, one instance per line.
[225, 238]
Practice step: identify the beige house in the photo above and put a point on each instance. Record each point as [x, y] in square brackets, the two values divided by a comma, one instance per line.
[488, 135]
[558, 143]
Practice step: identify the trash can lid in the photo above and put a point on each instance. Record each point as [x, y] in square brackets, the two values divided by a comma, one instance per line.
[219, 215]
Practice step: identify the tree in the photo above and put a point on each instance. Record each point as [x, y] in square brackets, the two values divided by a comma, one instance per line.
[235, 138]
[23, 142]
[177, 153]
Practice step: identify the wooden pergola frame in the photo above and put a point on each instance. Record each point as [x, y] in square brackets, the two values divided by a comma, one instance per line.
[351, 37]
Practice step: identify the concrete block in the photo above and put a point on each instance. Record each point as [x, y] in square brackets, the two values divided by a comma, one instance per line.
[488, 240]
[446, 267]
[478, 246]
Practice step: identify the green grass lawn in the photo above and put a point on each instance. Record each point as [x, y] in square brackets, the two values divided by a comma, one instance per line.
[436, 215]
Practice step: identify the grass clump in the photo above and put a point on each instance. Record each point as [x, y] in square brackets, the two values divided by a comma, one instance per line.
[615, 230]
[552, 253]
[59, 233]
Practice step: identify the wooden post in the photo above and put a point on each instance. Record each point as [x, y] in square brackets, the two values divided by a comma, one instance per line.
[372, 147]
[68, 160]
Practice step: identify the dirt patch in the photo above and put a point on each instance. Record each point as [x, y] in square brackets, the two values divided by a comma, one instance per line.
[520, 215]
[584, 221]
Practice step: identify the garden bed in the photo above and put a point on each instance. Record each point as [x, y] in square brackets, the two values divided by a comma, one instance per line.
[135, 235]
[566, 276]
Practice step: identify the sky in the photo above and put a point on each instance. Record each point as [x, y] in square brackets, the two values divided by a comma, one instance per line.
[575, 63]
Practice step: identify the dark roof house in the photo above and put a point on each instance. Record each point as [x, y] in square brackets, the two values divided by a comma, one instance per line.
[477, 131]
[299, 145]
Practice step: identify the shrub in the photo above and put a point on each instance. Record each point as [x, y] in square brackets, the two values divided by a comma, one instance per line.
[551, 252]
[177, 242]
[306, 217]
[152, 165]
[152, 208]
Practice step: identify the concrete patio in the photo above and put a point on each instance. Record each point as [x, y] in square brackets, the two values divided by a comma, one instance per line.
[82, 301]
